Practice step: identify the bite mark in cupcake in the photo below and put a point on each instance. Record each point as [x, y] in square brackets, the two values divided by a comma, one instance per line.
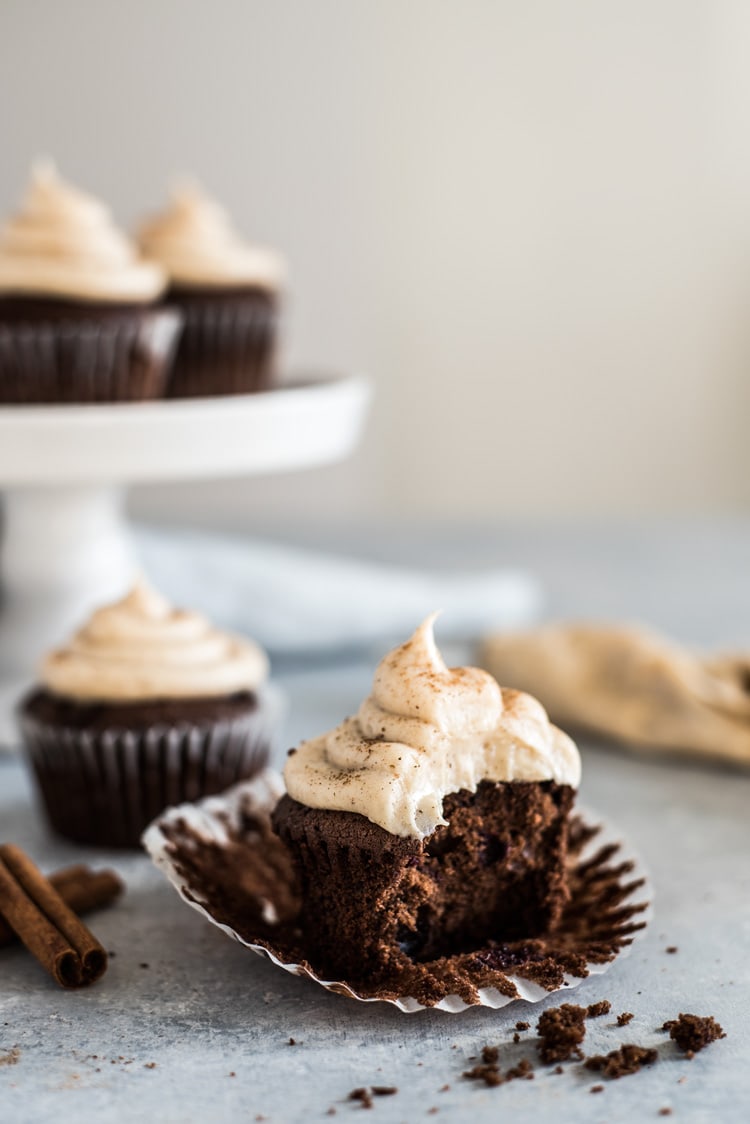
[433, 823]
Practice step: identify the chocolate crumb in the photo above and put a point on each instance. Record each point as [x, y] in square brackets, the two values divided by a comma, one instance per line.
[522, 1026]
[693, 1032]
[291, 752]
[523, 1069]
[384, 1090]
[292, 1042]
[144, 965]
[624, 1018]
[561, 1030]
[623, 1062]
[490, 1054]
[490, 1074]
[331, 1111]
[596, 1089]
[444, 1089]
[516, 1037]
[150, 1065]
[558, 1069]
[432, 1111]
[594, 1010]
[672, 948]
[231, 1074]
[363, 1095]
[666, 1111]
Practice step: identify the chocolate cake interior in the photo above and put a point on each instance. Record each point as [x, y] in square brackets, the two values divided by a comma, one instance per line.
[496, 872]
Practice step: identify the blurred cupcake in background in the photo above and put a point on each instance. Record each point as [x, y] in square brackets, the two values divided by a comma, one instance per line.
[80, 312]
[146, 706]
[227, 290]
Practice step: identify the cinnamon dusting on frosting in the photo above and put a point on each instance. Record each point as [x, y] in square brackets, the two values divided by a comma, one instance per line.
[426, 731]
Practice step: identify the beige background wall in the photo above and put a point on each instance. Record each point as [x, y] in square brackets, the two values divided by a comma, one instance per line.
[529, 221]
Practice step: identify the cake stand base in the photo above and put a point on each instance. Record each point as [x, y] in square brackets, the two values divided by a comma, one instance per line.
[65, 551]
[64, 472]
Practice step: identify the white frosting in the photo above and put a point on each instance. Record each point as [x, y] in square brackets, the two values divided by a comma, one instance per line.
[196, 244]
[63, 243]
[426, 731]
[141, 648]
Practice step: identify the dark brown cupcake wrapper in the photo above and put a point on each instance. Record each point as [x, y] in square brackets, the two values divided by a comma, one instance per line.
[227, 345]
[104, 788]
[113, 358]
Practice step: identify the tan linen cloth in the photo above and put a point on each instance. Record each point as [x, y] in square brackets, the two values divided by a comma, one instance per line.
[630, 685]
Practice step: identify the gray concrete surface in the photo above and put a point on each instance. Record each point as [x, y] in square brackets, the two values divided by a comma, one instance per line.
[188, 1027]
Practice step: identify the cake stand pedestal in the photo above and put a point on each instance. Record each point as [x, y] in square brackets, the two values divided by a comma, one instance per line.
[64, 471]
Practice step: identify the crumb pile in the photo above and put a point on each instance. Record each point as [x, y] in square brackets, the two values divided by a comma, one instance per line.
[622, 1062]
[561, 1031]
[692, 1033]
[490, 1073]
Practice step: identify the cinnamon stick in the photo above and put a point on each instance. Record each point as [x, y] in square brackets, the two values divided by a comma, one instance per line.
[48, 927]
[80, 887]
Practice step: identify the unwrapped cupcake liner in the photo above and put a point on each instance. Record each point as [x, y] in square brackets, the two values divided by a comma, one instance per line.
[227, 345]
[104, 787]
[114, 357]
[221, 823]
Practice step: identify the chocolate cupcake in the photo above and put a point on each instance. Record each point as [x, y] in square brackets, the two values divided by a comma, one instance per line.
[147, 706]
[432, 823]
[228, 292]
[79, 318]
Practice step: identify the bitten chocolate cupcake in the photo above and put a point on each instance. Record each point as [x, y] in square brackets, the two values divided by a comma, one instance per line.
[145, 707]
[79, 318]
[228, 292]
[433, 823]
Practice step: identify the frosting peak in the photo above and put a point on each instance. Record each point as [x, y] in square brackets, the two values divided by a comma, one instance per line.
[63, 243]
[413, 681]
[142, 648]
[195, 242]
[426, 731]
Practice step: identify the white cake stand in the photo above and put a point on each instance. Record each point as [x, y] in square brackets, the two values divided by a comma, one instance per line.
[64, 472]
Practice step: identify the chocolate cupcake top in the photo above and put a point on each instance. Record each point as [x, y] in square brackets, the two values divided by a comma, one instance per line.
[426, 731]
[141, 648]
[62, 243]
[197, 245]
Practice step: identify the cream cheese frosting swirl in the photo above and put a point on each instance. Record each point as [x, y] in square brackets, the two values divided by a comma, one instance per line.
[63, 243]
[196, 244]
[425, 731]
[141, 648]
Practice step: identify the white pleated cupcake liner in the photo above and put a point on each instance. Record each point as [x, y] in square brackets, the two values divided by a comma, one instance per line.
[216, 818]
